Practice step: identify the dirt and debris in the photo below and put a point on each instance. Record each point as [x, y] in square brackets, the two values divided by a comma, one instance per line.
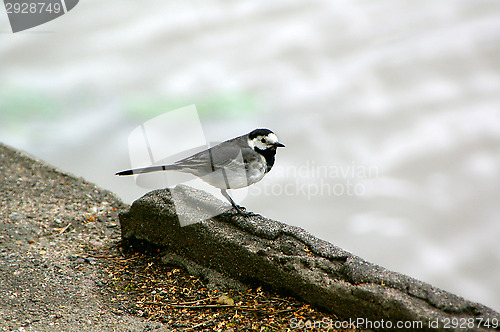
[63, 267]
[144, 286]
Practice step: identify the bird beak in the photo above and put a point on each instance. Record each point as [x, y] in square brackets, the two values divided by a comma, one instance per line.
[279, 145]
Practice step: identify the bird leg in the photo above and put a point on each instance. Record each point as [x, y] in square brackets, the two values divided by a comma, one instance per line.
[226, 195]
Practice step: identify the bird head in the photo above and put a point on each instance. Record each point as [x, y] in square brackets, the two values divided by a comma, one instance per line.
[264, 139]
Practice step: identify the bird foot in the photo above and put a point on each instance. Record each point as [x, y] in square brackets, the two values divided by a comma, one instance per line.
[242, 210]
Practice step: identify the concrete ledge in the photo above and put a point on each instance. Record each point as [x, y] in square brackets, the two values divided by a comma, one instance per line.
[287, 259]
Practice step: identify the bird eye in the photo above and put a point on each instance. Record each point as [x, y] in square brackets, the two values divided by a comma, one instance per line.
[263, 140]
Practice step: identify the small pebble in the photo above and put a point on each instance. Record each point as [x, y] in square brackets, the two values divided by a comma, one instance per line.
[90, 260]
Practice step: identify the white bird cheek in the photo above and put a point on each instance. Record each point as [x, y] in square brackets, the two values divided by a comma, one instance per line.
[260, 145]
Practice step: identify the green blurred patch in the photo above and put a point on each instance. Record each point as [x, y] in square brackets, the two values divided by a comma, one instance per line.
[210, 107]
[20, 104]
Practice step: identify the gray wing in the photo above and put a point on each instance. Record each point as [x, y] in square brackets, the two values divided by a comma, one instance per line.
[229, 155]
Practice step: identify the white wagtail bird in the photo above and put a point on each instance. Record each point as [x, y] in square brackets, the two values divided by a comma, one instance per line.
[233, 164]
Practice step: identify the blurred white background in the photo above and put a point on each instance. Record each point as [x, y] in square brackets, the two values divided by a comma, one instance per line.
[398, 100]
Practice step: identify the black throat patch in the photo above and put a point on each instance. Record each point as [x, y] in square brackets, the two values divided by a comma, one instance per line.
[268, 154]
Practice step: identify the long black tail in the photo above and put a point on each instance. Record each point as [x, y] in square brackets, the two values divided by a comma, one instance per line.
[148, 169]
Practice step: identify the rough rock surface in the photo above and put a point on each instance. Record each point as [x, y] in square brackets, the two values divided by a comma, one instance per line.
[254, 249]
[49, 220]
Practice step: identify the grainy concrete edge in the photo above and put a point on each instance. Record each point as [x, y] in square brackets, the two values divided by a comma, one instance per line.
[48, 220]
